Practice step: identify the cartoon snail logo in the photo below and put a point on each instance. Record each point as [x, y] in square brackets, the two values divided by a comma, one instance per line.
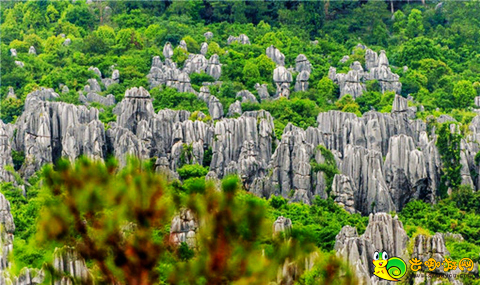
[388, 268]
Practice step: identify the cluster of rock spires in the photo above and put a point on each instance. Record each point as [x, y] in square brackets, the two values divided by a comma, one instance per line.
[241, 39]
[376, 68]
[168, 74]
[93, 88]
[385, 160]
[385, 233]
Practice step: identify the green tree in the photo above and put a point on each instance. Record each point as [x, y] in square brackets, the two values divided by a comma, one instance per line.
[415, 24]
[251, 74]
[464, 94]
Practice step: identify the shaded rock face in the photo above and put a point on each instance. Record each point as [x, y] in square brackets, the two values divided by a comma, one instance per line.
[282, 78]
[343, 189]
[214, 68]
[301, 83]
[302, 64]
[262, 91]
[243, 146]
[376, 68]
[247, 96]
[184, 229]
[6, 132]
[383, 233]
[215, 108]
[70, 266]
[204, 48]
[274, 54]
[195, 63]
[6, 233]
[235, 109]
[47, 130]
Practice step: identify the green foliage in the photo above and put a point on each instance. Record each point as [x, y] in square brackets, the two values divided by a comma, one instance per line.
[192, 170]
[348, 104]
[18, 158]
[328, 167]
[11, 108]
[442, 217]
[171, 99]
[463, 94]
[448, 145]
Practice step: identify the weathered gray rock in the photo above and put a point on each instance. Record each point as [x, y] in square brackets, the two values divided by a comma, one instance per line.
[108, 100]
[282, 78]
[405, 171]
[301, 83]
[400, 104]
[350, 83]
[230, 135]
[184, 229]
[13, 52]
[242, 39]
[184, 84]
[208, 35]
[344, 59]
[246, 96]
[93, 86]
[343, 189]
[382, 233]
[215, 107]
[302, 64]
[235, 109]
[32, 50]
[214, 68]
[135, 107]
[204, 48]
[365, 167]
[7, 229]
[275, 54]
[195, 63]
[282, 225]
[67, 42]
[70, 266]
[167, 50]
[262, 91]
[183, 45]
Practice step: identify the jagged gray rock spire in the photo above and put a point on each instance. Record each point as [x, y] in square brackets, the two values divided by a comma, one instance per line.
[167, 50]
[204, 48]
[214, 68]
[32, 50]
[13, 52]
[47, 130]
[215, 108]
[70, 265]
[282, 78]
[302, 64]
[183, 45]
[274, 54]
[235, 109]
[195, 63]
[377, 68]
[11, 93]
[301, 83]
[383, 233]
[262, 91]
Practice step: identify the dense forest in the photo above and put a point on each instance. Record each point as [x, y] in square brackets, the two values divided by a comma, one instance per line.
[120, 209]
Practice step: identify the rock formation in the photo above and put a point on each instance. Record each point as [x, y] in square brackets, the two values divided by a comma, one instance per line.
[32, 50]
[282, 78]
[184, 228]
[275, 54]
[262, 91]
[167, 50]
[282, 225]
[214, 68]
[242, 39]
[302, 64]
[376, 68]
[208, 35]
[246, 96]
[301, 83]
